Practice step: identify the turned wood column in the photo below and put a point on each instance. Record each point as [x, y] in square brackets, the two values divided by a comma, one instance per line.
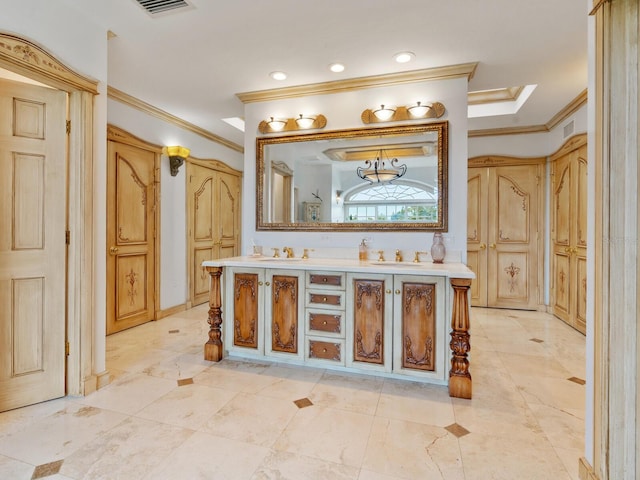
[213, 348]
[459, 376]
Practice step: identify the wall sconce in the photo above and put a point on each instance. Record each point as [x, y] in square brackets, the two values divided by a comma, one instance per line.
[338, 196]
[303, 122]
[177, 155]
[380, 173]
[412, 112]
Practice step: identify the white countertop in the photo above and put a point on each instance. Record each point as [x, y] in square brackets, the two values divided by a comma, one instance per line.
[451, 270]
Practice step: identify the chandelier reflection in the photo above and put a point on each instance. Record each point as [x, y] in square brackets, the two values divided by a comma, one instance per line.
[377, 171]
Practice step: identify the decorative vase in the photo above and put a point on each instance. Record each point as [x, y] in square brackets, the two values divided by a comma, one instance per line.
[438, 250]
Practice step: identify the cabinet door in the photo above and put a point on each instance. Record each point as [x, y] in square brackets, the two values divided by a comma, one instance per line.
[369, 320]
[283, 312]
[420, 326]
[477, 183]
[245, 307]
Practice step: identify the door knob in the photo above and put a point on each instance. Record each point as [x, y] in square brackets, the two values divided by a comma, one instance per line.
[493, 245]
[113, 250]
[482, 246]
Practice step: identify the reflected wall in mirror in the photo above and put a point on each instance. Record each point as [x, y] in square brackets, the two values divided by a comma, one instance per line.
[389, 178]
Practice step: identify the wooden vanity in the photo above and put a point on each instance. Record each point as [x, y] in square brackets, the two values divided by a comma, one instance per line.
[386, 318]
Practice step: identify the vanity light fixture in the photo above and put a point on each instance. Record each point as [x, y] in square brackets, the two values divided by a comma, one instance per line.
[303, 122]
[338, 196]
[377, 172]
[384, 114]
[177, 155]
[416, 111]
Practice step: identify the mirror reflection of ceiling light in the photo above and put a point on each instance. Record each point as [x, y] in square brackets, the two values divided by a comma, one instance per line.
[377, 172]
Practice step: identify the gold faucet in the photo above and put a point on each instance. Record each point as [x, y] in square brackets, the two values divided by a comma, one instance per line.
[398, 255]
[417, 257]
[381, 255]
[288, 251]
[305, 253]
[276, 252]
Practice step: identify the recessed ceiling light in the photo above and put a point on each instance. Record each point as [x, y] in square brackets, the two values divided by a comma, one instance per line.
[336, 67]
[278, 75]
[404, 57]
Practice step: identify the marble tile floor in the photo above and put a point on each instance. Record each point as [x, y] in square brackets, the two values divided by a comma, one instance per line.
[168, 414]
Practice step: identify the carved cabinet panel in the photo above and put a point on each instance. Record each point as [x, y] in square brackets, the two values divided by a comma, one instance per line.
[368, 320]
[419, 346]
[284, 311]
[244, 309]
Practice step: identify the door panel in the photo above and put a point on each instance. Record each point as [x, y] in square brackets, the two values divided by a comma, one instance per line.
[32, 244]
[477, 234]
[213, 203]
[131, 209]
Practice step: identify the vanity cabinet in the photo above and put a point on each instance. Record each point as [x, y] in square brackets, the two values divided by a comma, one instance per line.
[369, 319]
[391, 320]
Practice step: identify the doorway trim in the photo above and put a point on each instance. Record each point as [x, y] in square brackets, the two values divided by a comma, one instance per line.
[32, 61]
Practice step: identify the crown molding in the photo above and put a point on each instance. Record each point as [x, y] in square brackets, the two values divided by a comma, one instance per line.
[28, 59]
[338, 86]
[562, 115]
[508, 94]
[138, 104]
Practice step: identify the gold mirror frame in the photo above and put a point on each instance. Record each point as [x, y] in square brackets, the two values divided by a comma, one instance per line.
[442, 130]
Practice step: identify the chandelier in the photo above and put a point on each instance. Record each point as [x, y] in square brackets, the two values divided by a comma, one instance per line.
[376, 171]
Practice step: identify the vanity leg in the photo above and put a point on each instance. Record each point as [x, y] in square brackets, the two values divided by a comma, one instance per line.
[213, 348]
[459, 376]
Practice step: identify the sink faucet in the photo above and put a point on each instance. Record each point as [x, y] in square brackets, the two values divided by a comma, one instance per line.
[398, 255]
[276, 252]
[417, 257]
[288, 251]
[381, 255]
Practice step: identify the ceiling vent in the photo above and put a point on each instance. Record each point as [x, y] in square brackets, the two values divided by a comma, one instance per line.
[157, 7]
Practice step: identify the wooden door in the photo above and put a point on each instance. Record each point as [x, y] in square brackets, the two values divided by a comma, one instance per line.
[569, 232]
[477, 197]
[503, 241]
[213, 221]
[368, 318]
[32, 244]
[131, 236]
[246, 309]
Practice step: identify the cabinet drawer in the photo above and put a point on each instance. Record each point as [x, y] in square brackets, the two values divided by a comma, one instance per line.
[325, 299]
[323, 322]
[324, 350]
[325, 280]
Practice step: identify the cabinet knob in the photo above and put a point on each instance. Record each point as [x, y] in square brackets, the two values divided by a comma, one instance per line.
[388, 291]
[397, 292]
[113, 250]
[267, 283]
[324, 279]
[324, 323]
[324, 299]
[260, 283]
[324, 350]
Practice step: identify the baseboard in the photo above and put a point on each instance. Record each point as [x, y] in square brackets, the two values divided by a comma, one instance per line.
[89, 385]
[103, 379]
[586, 471]
[170, 311]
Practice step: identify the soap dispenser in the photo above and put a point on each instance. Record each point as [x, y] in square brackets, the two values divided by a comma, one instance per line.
[363, 250]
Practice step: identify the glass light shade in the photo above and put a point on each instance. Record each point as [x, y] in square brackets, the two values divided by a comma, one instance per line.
[276, 125]
[305, 122]
[384, 113]
[418, 110]
[176, 151]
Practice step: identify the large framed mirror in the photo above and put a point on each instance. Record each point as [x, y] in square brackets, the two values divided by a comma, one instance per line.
[387, 178]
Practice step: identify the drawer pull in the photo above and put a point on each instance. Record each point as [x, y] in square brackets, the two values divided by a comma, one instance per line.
[324, 350]
[325, 281]
[324, 299]
[324, 323]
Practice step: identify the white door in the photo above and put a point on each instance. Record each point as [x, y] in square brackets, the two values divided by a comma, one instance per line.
[32, 244]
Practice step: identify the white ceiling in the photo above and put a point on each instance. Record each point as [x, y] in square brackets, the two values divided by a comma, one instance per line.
[192, 62]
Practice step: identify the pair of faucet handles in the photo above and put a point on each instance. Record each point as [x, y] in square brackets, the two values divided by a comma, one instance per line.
[416, 258]
[289, 252]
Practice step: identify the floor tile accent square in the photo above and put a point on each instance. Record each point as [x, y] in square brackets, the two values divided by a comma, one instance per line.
[303, 402]
[174, 331]
[47, 469]
[577, 380]
[457, 430]
[537, 340]
[185, 381]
